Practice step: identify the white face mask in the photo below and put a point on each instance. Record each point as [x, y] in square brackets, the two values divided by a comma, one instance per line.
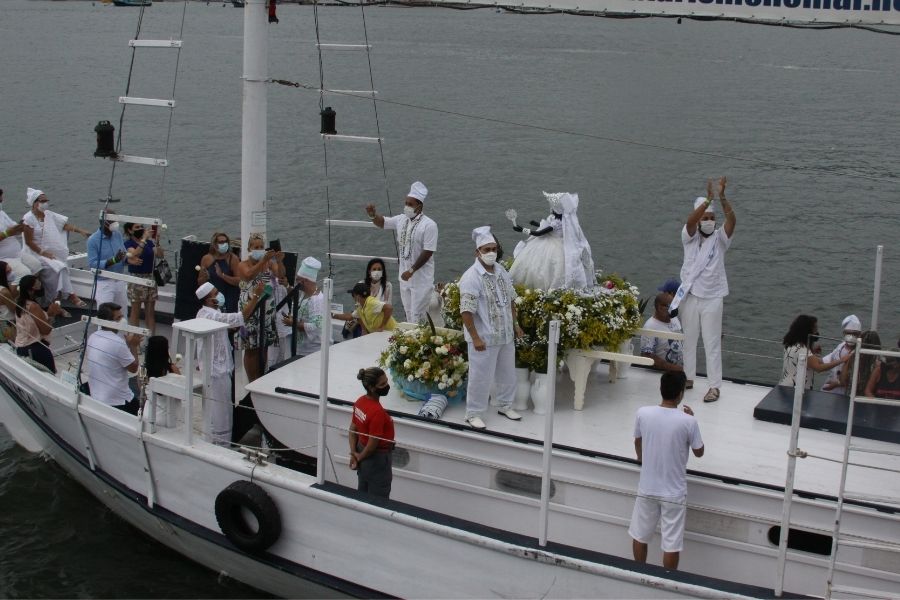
[257, 254]
[375, 275]
[410, 212]
[489, 258]
[707, 227]
[42, 206]
[114, 226]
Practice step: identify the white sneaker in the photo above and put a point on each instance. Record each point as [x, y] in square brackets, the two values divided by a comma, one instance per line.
[510, 414]
[475, 422]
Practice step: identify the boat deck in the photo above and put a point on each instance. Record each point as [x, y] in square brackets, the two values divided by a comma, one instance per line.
[737, 445]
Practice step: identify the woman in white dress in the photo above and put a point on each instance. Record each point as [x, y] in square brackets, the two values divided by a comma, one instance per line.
[556, 254]
[45, 238]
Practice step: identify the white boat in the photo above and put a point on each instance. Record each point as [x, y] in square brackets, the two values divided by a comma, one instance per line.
[511, 512]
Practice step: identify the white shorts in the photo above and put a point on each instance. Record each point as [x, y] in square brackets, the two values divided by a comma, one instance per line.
[669, 513]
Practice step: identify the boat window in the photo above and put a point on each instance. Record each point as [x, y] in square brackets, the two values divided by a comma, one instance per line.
[519, 483]
[806, 541]
[399, 457]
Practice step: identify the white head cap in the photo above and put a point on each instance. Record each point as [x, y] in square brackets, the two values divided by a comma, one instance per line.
[309, 269]
[702, 200]
[483, 236]
[204, 290]
[31, 195]
[851, 323]
[418, 191]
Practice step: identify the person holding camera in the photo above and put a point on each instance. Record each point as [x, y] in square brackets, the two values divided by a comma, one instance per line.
[261, 266]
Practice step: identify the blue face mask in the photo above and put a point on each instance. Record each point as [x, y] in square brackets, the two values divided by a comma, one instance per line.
[223, 248]
[257, 254]
[220, 300]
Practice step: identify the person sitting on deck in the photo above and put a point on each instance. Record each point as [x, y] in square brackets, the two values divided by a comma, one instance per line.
[373, 314]
[662, 436]
[33, 325]
[22, 263]
[217, 410]
[885, 379]
[157, 361]
[46, 241]
[851, 328]
[110, 359]
[802, 335]
[666, 353]
[8, 294]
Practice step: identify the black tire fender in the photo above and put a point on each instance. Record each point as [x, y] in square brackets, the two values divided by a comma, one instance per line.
[244, 495]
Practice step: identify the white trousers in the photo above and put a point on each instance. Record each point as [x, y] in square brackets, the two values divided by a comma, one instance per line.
[495, 365]
[702, 315]
[415, 298]
[217, 411]
[55, 283]
[111, 290]
[22, 266]
[279, 353]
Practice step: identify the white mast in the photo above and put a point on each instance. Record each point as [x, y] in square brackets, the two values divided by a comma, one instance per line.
[253, 131]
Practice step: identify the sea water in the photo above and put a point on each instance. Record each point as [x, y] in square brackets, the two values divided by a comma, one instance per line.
[489, 110]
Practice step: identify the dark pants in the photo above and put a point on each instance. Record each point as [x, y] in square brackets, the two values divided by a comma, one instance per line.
[131, 407]
[375, 474]
[39, 353]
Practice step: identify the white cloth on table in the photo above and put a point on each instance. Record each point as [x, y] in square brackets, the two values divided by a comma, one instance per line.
[108, 358]
[703, 315]
[789, 364]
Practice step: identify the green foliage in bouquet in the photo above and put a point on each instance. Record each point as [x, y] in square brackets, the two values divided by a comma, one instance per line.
[604, 317]
[434, 356]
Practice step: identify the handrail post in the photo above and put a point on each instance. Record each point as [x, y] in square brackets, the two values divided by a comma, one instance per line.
[325, 337]
[876, 294]
[799, 387]
[553, 339]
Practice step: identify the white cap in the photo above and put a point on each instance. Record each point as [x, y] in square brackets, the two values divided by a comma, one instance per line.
[702, 200]
[309, 269]
[851, 323]
[31, 195]
[483, 236]
[204, 290]
[418, 191]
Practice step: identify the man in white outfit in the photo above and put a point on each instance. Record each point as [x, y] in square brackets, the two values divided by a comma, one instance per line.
[699, 300]
[11, 248]
[488, 311]
[851, 327]
[311, 311]
[417, 237]
[217, 409]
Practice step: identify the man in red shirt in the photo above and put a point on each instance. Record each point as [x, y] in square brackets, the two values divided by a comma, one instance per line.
[372, 435]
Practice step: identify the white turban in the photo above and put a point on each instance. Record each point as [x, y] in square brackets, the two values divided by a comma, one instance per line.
[31, 195]
[204, 290]
[418, 191]
[483, 236]
[309, 269]
[851, 323]
[702, 200]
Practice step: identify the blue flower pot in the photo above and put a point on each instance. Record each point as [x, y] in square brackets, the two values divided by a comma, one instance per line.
[418, 390]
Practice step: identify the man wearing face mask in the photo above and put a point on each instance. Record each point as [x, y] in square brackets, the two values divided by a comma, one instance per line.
[488, 311]
[417, 237]
[106, 252]
[851, 327]
[700, 298]
[311, 310]
[217, 410]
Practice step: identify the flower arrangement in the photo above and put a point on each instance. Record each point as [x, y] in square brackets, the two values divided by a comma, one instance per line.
[605, 316]
[432, 356]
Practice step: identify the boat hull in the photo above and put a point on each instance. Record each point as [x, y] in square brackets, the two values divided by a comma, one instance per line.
[321, 527]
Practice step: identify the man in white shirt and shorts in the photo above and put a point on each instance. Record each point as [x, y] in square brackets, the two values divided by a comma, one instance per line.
[662, 436]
